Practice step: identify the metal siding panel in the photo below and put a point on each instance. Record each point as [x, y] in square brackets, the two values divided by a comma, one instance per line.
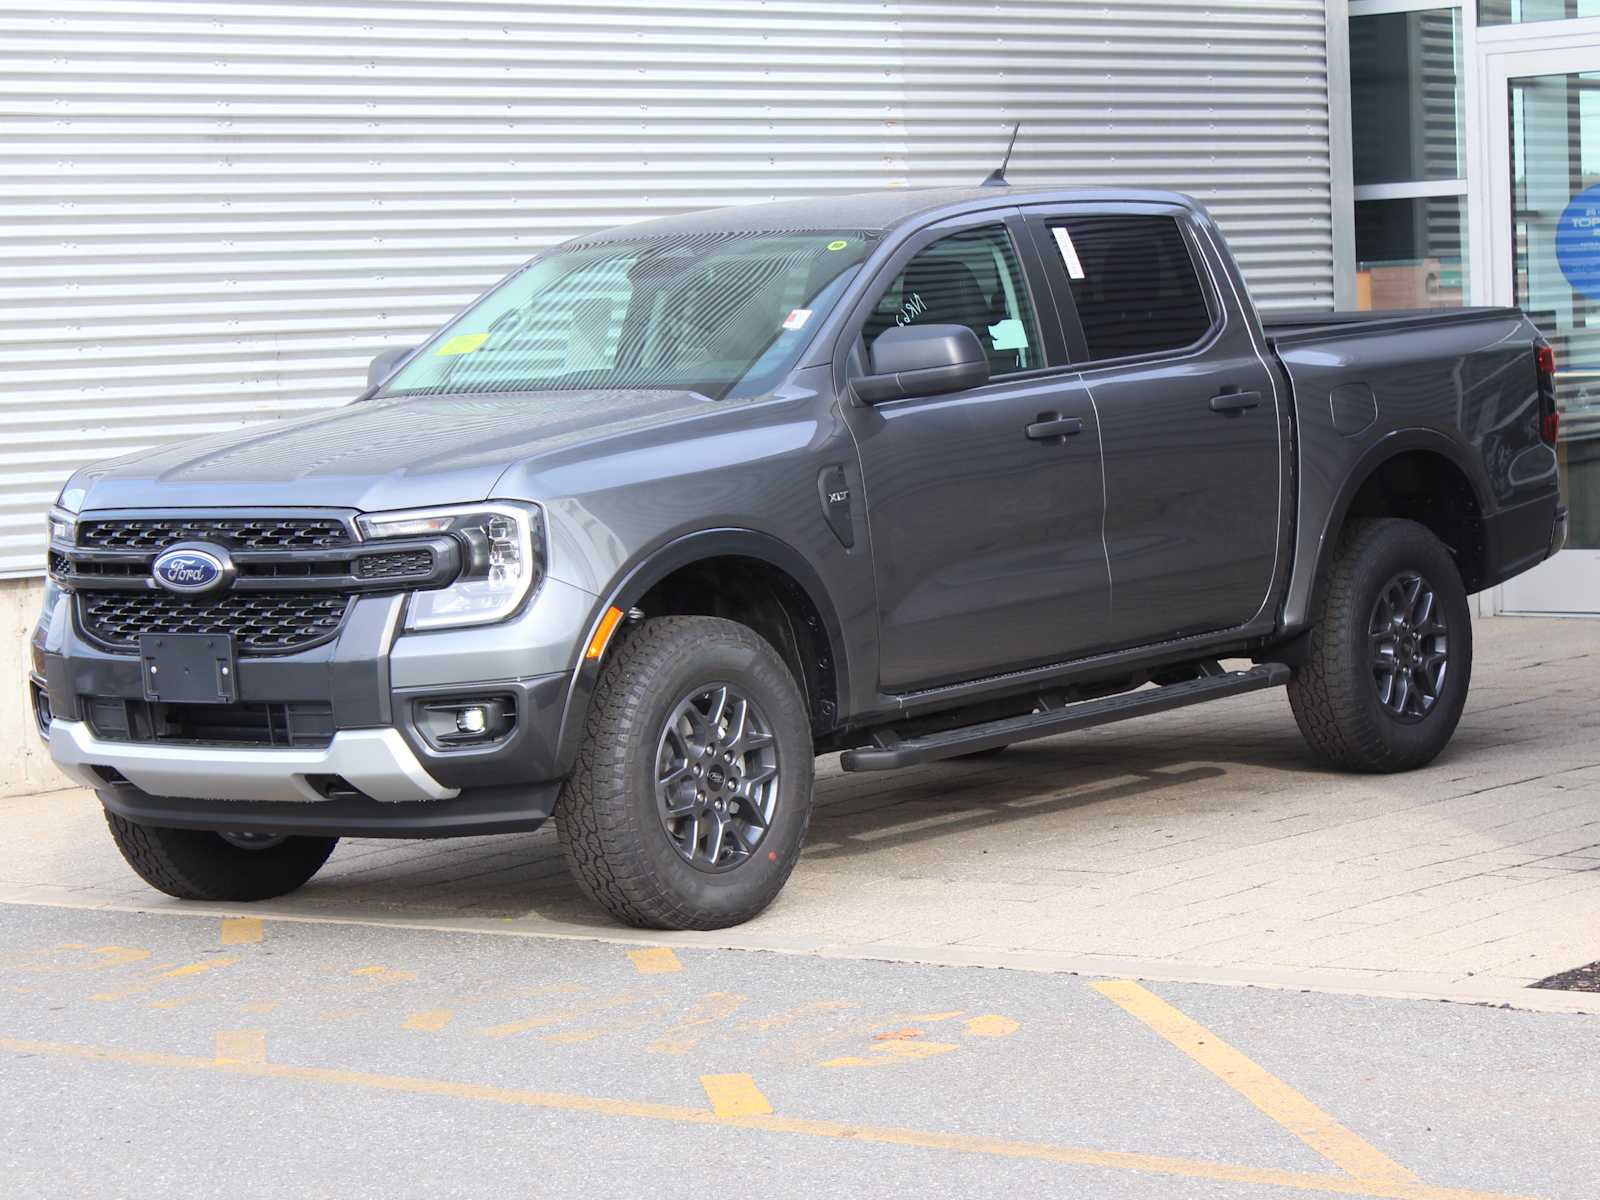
[216, 214]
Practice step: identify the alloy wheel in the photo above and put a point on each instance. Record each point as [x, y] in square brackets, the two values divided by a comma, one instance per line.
[1410, 647]
[716, 777]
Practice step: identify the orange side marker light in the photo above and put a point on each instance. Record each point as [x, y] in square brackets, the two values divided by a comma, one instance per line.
[602, 635]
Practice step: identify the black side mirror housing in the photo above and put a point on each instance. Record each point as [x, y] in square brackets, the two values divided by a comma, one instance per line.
[383, 366]
[923, 360]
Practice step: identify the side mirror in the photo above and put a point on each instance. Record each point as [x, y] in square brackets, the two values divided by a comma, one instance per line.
[383, 366]
[923, 360]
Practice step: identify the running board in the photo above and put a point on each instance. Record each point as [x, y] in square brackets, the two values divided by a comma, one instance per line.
[991, 735]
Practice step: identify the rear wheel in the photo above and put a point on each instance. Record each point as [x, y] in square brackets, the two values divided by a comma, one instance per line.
[689, 802]
[1390, 656]
[194, 864]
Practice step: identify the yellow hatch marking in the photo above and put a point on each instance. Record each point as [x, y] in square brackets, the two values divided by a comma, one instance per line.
[144, 985]
[429, 1022]
[241, 931]
[385, 974]
[783, 1019]
[990, 1025]
[527, 1024]
[247, 1047]
[1316, 1128]
[883, 1054]
[734, 1096]
[657, 960]
[844, 1131]
[686, 1034]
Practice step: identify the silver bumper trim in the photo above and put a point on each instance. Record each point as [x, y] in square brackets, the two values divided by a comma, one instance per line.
[377, 761]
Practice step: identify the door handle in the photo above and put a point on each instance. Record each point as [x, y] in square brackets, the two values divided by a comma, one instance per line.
[1235, 402]
[1048, 427]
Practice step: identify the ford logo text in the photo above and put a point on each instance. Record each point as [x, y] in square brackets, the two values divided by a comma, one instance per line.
[190, 570]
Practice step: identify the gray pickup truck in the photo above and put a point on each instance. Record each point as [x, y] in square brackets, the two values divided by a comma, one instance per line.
[677, 507]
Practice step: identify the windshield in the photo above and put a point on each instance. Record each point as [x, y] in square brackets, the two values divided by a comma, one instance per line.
[723, 314]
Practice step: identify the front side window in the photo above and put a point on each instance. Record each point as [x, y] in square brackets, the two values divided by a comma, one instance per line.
[1133, 282]
[722, 314]
[970, 278]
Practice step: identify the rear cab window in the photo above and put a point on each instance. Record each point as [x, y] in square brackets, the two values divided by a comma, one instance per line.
[1133, 282]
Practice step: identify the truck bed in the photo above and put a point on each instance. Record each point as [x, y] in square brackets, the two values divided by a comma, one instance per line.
[1286, 325]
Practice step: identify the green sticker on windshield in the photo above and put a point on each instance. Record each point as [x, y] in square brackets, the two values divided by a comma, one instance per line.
[838, 245]
[463, 343]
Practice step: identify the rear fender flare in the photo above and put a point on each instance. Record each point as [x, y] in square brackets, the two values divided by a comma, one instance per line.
[1303, 583]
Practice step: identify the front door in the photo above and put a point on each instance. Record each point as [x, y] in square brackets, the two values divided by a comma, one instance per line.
[1544, 241]
[985, 540]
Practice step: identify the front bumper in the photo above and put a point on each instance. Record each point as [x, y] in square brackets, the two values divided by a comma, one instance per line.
[375, 762]
[373, 771]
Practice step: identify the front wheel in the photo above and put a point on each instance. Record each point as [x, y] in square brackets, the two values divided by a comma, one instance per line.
[193, 864]
[689, 802]
[1390, 654]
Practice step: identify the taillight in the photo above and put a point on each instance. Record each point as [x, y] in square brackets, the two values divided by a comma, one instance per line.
[1544, 361]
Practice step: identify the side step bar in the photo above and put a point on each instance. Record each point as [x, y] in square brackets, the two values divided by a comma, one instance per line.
[1086, 714]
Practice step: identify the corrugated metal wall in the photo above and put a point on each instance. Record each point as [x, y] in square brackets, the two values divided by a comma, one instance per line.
[216, 212]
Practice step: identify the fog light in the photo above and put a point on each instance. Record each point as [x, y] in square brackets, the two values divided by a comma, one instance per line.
[467, 722]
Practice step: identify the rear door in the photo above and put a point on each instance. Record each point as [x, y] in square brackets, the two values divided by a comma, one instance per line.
[985, 540]
[1189, 418]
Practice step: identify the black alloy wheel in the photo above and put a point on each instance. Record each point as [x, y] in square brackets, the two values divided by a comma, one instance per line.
[1410, 647]
[717, 777]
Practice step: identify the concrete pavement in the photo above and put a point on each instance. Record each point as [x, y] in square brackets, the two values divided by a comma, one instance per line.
[1203, 844]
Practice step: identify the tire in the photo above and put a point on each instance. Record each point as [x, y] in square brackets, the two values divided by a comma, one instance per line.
[194, 864]
[625, 852]
[1362, 699]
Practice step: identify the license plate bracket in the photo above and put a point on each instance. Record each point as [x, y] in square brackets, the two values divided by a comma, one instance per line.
[189, 668]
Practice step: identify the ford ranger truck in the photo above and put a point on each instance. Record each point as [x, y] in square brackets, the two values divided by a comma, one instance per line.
[677, 507]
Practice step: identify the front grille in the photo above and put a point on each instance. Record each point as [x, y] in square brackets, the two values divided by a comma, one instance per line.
[236, 533]
[304, 724]
[396, 564]
[260, 622]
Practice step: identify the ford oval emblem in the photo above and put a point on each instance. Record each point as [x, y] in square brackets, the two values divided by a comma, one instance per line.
[186, 569]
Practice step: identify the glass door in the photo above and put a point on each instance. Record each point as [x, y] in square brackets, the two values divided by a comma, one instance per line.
[1544, 166]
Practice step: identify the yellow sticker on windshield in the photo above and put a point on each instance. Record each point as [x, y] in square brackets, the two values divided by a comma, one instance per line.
[839, 245]
[463, 343]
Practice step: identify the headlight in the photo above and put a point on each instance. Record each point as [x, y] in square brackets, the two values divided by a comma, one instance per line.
[62, 525]
[502, 547]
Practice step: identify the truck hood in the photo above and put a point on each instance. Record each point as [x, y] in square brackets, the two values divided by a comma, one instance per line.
[377, 454]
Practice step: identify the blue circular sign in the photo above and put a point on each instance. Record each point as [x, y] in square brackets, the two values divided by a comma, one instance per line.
[1578, 242]
[189, 570]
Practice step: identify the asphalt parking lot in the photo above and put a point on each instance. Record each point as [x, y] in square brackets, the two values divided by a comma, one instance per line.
[145, 1055]
[1026, 974]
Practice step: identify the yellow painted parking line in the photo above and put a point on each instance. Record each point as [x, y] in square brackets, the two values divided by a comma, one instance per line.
[1155, 1164]
[242, 1046]
[1339, 1145]
[657, 960]
[431, 1021]
[734, 1096]
[241, 931]
[150, 981]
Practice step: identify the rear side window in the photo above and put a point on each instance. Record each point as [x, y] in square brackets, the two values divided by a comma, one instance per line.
[1133, 282]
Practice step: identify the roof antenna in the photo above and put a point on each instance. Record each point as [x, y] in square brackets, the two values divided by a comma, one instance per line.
[997, 177]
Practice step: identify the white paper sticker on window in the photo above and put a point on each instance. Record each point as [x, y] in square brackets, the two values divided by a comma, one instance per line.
[1008, 335]
[1069, 252]
[797, 318]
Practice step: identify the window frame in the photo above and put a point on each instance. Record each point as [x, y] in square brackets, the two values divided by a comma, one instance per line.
[1039, 218]
[850, 356]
